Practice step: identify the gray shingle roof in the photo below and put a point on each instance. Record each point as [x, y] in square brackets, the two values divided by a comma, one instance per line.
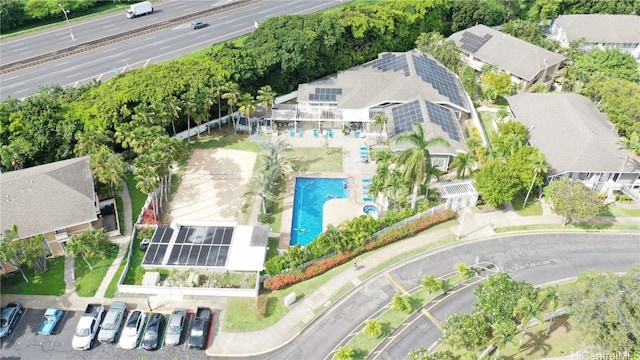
[392, 77]
[511, 54]
[45, 198]
[571, 132]
[601, 28]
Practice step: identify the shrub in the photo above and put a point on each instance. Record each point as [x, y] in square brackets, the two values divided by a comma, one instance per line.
[261, 304]
[281, 281]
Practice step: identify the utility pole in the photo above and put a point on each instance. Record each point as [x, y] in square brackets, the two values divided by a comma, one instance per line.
[65, 12]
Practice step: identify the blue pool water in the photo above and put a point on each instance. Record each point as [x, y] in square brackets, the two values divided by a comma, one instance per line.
[308, 200]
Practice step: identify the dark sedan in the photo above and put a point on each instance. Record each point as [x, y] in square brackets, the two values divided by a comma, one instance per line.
[199, 331]
[151, 337]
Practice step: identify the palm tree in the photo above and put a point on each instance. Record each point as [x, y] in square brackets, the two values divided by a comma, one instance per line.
[415, 160]
[631, 144]
[538, 164]
[464, 270]
[190, 107]
[267, 97]
[504, 334]
[218, 87]
[88, 244]
[232, 95]
[551, 296]
[247, 105]
[173, 108]
[394, 184]
[527, 310]
[35, 254]
[401, 303]
[331, 240]
[107, 167]
[474, 144]
[431, 172]
[343, 353]
[463, 161]
[430, 283]
[373, 328]
[260, 186]
[379, 121]
[208, 100]
[10, 247]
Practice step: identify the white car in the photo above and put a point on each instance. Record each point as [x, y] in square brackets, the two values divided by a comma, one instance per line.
[132, 329]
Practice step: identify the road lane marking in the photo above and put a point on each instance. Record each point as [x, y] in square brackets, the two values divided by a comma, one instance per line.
[397, 284]
[432, 318]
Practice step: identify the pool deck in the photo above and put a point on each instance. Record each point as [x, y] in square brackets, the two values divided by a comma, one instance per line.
[338, 210]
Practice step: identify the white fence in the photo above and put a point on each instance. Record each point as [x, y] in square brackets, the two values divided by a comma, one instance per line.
[189, 291]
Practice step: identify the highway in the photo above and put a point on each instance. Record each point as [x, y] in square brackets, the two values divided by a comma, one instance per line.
[103, 63]
[536, 258]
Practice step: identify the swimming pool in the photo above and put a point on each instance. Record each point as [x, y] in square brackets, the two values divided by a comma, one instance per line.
[308, 200]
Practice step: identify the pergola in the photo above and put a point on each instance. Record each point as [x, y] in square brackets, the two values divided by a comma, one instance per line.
[458, 194]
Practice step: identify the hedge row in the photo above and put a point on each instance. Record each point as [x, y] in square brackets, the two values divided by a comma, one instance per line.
[392, 235]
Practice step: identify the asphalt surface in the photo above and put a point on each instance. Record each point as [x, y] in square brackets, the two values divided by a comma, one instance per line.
[103, 63]
[536, 258]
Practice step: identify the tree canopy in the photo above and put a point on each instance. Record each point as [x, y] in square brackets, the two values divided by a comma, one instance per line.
[574, 201]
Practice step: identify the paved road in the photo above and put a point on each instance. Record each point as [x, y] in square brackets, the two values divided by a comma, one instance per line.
[537, 258]
[153, 48]
[100, 26]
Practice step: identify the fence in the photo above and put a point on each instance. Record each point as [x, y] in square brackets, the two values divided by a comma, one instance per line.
[190, 291]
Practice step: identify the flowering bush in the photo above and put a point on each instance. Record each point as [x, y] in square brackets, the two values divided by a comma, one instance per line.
[149, 217]
[261, 303]
[392, 235]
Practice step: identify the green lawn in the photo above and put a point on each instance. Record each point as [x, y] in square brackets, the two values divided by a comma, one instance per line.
[486, 118]
[613, 210]
[49, 283]
[533, 207]
[315, 159]
[136, 271]
[273, 247]
[568, 227]
[120, 207]
[113, 285]
[137, 197]
[224, 139]
[88, 281]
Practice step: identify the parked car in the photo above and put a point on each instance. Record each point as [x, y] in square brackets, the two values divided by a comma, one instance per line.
[9, 317]
[199, 331]
[199, 25]
[51, 319]
[112, 321]
[151, 337]
[132, 329]
[88, 327]
[176, 324]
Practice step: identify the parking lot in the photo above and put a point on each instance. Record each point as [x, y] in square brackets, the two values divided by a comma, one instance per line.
[25, 343]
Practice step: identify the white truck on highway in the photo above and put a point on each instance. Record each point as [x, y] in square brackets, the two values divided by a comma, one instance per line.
[87, 327]
[139, 9]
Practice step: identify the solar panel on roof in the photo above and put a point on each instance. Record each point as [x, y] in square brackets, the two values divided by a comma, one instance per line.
[325, 94]
[439, 77]
[405, 115]
[445, 118]
[472, 42]
[194, 246]
[390, 62]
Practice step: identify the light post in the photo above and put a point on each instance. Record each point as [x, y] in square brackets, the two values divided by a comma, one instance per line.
[464, 211]
[68, 24]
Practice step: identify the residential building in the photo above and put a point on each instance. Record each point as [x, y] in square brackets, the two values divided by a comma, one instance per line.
[601, 30]
[525, 62]
[405, 87]
[577, 141]
[56, 200]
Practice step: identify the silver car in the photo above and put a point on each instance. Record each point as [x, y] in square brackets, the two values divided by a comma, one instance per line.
[176, 324]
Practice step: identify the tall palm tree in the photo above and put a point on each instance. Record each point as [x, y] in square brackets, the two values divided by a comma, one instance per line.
[431, 172]
[107, 167]
[173, 108]
[551, 296]
[267, 97]
[232, 95]
[473, 144]
[208, 100]
[379, 121]
[463, 161]
[247, 105]
[373, 328]
[10, 250]
[504, 334]
[538, 164]
[631, 144]
[189, 106]
[527, 310]
[260, 186]
[394, 184]
[218, 86]
[415, 159]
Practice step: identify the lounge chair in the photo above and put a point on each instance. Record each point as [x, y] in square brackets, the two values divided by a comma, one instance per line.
[315, 132]
[299, 133]
[367, 198]
[366, 180]
[330, 133]
[292, 133]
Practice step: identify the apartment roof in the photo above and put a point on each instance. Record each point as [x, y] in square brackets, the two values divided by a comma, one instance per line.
[571, 132]
[48, 197]
[518, 57]
[391, 78]
[601, 28]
